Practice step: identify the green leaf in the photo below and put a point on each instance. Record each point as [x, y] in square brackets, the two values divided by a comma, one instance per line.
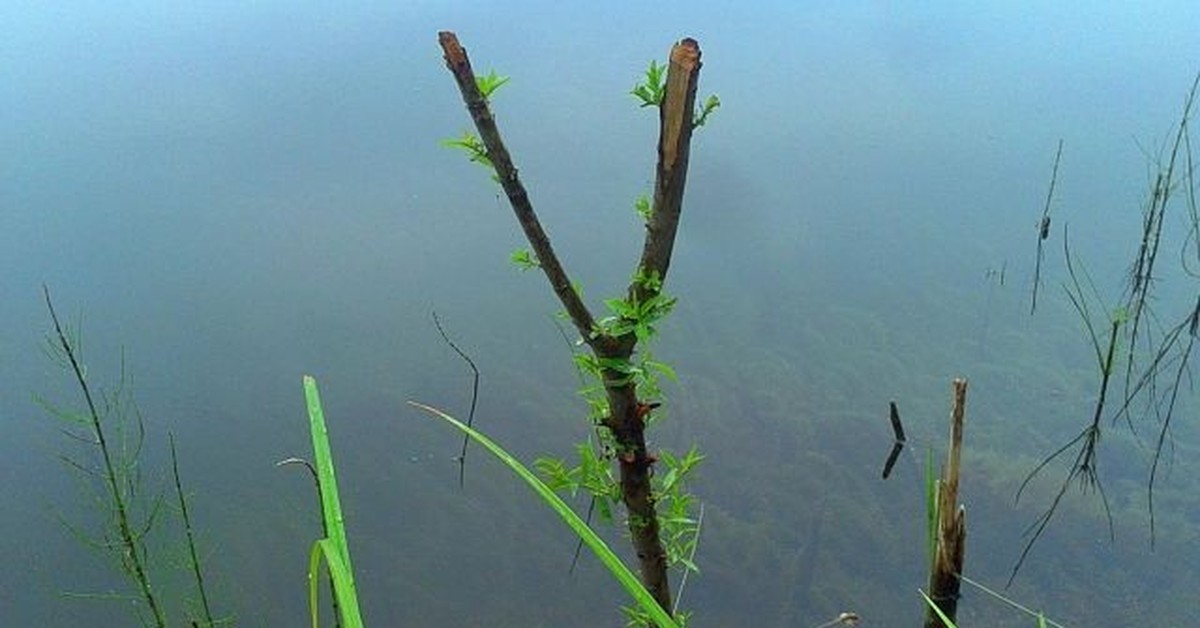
[643, 207]
[619, 365]
[489, 83]
[343, 584]
[651, 280]
[333, 547]
[931, 506]
[524, 259]
[473, 146]
[621, 307]
[668, 481]
[691, 459]
[558, 476]
[617, 568]
[652, 88]
[710, 105]
[587, 364]
[940, 614]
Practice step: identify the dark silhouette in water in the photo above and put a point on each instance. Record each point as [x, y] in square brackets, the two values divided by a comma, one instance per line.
[898, 444]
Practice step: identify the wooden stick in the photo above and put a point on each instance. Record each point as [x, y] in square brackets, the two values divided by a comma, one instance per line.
[952, 522]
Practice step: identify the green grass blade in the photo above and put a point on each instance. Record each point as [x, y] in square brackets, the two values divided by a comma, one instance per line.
[334, 547]
[314, 563]
[597, 545]
[343, 580]
[940, 614]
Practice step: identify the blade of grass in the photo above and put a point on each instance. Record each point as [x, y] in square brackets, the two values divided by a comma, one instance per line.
[940, 614]
[931, 506]
[597, 545]
[334, 547]
[339, 574]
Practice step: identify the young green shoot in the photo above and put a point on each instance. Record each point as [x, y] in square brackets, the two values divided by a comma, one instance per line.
[489, 83]
[643, 207]
[710, 105]
[473, 147]
[653, 87]
[524, 259]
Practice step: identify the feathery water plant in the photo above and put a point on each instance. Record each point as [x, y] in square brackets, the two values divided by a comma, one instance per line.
[118, 471]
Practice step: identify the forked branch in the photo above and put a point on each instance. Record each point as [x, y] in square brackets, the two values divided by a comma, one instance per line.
[477, 105]
[614, 346]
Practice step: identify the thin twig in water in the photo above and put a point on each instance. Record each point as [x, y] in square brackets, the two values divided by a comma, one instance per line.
[579, 544]
[1164, 429]
[462, 456]
[1043, 228]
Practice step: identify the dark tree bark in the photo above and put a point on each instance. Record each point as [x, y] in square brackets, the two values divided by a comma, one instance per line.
[625, 420]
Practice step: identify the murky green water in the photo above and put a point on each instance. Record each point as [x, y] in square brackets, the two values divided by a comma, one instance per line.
[237, 197]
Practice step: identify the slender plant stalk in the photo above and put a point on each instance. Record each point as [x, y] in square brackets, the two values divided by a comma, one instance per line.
[191, 540]
[1044, 230]
[133, 555]
[462, 455]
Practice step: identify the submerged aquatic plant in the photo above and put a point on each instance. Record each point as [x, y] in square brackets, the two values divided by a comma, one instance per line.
[1151, 351]
[124, 537]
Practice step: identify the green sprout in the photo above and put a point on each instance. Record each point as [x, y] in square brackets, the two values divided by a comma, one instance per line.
[651, 90]
[524, 259]
[489, 83]
[476, 151]
[643, 207]
[710, 105]
[632, 317]
[473, 146]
